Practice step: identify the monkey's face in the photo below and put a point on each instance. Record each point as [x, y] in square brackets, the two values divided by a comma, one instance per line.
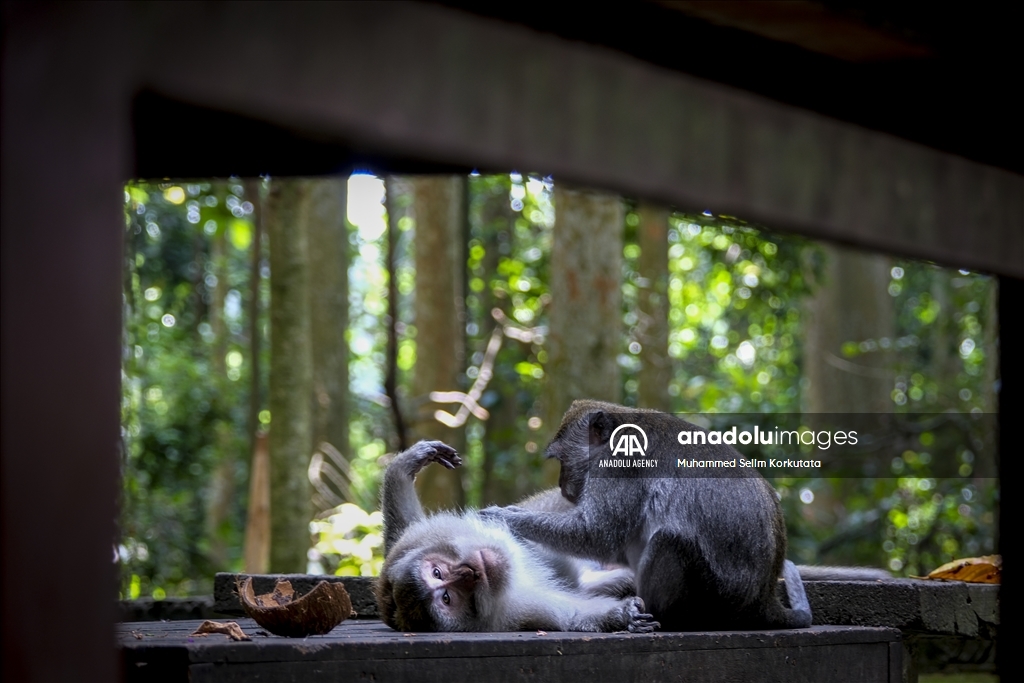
[450, 586]
[573, 443]
[461, 589]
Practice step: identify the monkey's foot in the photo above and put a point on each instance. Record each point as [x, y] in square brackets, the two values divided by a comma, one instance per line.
[639, 621]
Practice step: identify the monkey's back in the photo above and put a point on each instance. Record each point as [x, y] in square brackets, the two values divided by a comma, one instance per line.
[715, 536]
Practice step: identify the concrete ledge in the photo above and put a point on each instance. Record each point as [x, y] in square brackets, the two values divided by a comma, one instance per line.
[171, 609]
[947, 626]
[938, 607]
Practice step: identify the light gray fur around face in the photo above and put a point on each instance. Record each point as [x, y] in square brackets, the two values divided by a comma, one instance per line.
[462, 572]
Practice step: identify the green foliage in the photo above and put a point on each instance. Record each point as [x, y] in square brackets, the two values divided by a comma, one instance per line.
[737, 297]
[737, 309]
[510, 218]
[914, 521]
[349, 541]
[186, 384]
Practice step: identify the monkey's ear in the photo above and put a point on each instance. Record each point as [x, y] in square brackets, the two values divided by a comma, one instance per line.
[599, 430]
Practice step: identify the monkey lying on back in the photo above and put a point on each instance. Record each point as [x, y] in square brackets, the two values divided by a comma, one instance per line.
[461, 572]
[707, 548]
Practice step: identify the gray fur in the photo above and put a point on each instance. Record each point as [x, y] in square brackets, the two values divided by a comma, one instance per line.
[519, 586]
[707, 550]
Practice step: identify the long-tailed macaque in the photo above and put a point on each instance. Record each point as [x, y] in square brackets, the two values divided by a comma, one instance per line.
[707, 548]
[461, 572]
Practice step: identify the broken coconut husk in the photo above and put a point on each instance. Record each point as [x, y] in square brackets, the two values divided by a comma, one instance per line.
[281, 613]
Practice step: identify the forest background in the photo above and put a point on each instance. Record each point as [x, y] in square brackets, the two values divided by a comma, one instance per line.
[282, 336]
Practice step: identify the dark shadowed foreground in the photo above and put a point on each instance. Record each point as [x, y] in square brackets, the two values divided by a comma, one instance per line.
[369, 650]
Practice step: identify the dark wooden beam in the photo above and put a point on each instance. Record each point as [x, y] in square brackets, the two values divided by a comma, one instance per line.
[65, 153]
[367, 77]
[943, 78]
[175, 139]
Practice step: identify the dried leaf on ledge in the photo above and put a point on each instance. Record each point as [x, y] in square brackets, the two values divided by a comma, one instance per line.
[985, 569]
[228, 628]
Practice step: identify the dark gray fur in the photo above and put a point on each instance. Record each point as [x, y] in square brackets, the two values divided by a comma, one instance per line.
[524, 586]
[707, 550]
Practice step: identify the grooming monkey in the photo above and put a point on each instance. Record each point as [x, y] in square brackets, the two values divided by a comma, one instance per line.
[707, 546]
[461, 572]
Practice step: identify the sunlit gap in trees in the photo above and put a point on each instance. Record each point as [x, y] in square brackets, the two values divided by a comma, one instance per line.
[367, 283]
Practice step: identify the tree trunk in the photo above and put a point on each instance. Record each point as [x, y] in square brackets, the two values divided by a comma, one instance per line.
[586, 303]
[291, 438]
[222, 484]
[652, 326]
[257, 526]
[852, 304]
[256, 546]
[440, 323]
[253, 193]
[328, 274]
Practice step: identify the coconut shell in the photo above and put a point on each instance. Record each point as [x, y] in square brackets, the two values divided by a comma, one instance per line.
[281, 613]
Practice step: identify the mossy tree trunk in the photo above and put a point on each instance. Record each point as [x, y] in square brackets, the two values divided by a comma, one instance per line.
[222, 483]
[586, 303]
[256, 546]
[439, 211]
[328, 290]
[291, 374]
[851, 305]
[652, 326]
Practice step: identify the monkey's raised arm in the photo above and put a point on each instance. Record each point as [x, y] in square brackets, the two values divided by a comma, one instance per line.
[399, 502]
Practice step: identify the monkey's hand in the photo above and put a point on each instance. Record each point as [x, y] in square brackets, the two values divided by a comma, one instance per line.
[399, 503]
[512, 516]
[505, 514]
[423, 453]
[638, 621]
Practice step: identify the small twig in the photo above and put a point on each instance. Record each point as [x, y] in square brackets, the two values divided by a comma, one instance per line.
[469, 401]
[513, 330]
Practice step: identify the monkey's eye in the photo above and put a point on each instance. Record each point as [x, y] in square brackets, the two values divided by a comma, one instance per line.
[446, 599]
[437, 573]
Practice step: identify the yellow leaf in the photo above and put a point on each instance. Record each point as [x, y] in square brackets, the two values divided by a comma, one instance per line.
[986, 569]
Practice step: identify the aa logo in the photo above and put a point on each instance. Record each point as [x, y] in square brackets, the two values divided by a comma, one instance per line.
[625, 440]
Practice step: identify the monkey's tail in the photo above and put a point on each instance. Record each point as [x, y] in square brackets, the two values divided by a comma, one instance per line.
[817, 573]
[798, 614]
